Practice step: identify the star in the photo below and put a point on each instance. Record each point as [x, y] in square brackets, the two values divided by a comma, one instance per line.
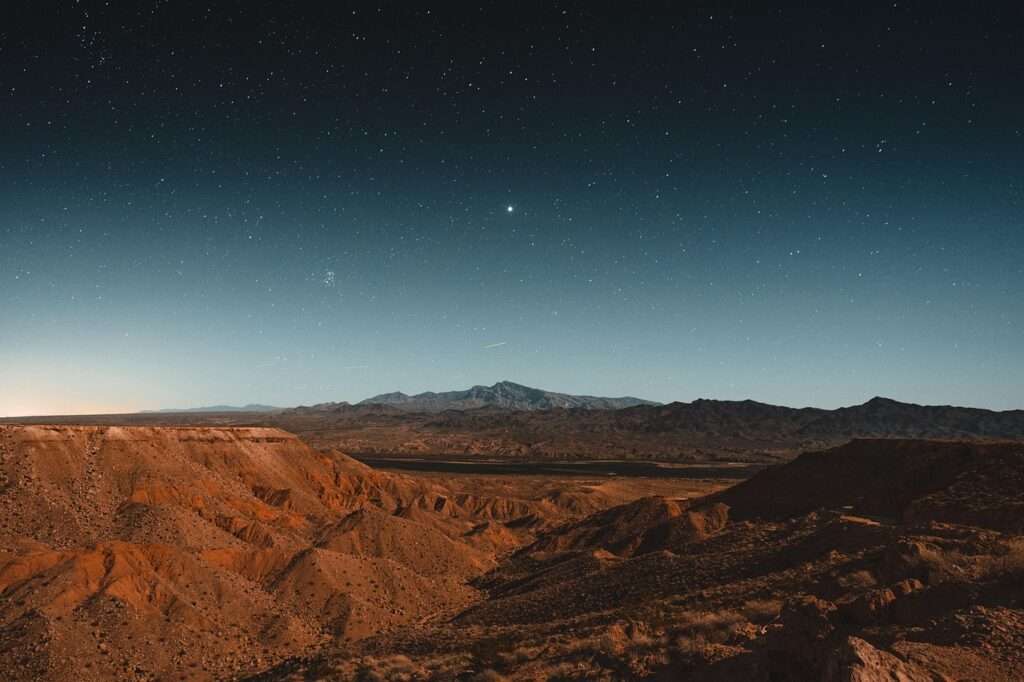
[510, 208]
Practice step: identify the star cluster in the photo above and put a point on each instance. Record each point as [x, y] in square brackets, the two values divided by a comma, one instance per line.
[252, 202]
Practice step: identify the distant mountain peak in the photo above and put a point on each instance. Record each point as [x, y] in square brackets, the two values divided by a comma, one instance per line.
[882, 400]
[394, 395]
[511, 384]
[251, 407]
[504, 394]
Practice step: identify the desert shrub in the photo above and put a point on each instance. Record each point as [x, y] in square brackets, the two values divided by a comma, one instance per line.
[708, 621]
[367, 674]
[969, 564]
[761, 610]
[485, 652]
[641, 644]
[858, 580]
[396, 668]
[695, 630]
[1008, 562]
[518, 656]
[488, 675]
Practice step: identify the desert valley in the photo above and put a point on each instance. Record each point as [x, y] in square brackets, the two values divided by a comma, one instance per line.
[251, 545]
[499, 341]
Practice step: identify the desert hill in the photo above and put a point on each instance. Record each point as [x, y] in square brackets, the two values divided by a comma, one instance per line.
[879, 560]
[700, 431]
[977, 484]
[148, 553]
[697, 432]
[217, 553]
[887, 418]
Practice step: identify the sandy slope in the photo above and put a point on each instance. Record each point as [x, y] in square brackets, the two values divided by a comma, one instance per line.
[880, 560]
[137, 552]
[215, 553]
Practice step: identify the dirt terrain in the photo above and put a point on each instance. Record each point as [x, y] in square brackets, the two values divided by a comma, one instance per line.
[881, 560]
[242, 553]
[207, 553]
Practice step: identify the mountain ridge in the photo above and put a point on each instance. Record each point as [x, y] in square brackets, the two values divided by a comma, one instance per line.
[250, 407]
[698, 431]
[504, 394]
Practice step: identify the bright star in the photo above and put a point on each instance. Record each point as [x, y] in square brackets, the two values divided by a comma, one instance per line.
[510, 208]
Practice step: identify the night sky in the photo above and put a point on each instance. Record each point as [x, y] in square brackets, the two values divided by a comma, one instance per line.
[228, 203]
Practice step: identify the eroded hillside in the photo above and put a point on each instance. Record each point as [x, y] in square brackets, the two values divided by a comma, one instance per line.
[142, 552]
[219, 553]
[881, 560]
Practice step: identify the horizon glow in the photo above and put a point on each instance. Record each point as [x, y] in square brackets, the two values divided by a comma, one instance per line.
[187, 220]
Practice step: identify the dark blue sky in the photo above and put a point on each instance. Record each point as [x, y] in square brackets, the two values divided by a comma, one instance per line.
[296, 205]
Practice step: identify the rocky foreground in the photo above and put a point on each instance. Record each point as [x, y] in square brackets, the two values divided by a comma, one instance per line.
[225, 553]
[204, 553]
[880, 560]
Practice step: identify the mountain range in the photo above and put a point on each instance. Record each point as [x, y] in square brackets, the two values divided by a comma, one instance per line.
[251, 407]
[509, 420]
[504, 394]
[702, 430]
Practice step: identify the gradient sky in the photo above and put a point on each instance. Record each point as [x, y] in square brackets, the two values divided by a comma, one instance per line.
[293, 205]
